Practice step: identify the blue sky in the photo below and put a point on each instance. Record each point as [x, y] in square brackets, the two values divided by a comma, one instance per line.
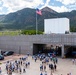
[8, 6]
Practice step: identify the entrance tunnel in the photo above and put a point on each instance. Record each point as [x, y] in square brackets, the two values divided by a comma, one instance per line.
[45, 48]
[70, 51]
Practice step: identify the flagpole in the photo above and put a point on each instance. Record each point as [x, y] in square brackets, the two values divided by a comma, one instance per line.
[39, 13]
[36, 25]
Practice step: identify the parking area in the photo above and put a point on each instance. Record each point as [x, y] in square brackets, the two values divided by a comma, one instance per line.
[11, 58]
[64, 66]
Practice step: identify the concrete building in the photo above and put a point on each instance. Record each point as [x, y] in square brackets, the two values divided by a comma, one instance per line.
[24, 44]
[56, 25]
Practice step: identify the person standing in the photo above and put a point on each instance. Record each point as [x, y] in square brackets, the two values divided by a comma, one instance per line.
[45, 73]
[0, 70]
[55, 67]
[73, 60]
[41, 73]
[70, 74]
[44, 67]
[24, 69]
[20, 70]
[56, 60]
[10, 72]
[35, 59]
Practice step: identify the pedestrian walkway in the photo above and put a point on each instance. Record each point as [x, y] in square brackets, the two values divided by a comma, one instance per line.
[64, 66]
[7, 74]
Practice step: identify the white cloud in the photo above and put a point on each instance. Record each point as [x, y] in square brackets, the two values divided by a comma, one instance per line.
[47, 2]
[1, 12]
[57, 8]
[14, 5]
[60, 9]
[0, 2]
[70, 4]
[67, 2]
[0, 9]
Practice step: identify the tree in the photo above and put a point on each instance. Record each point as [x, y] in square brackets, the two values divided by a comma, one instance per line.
[30, 32]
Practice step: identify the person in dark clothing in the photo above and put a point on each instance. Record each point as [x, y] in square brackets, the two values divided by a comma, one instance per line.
[26, 65]
[24, 70]
[20, 70]
[55, 67]
[44, 67]
[51, 67]
[35, 59]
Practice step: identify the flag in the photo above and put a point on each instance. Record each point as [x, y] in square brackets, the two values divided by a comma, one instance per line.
[38, 11]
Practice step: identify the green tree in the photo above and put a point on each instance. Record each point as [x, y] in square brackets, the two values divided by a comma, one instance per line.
[30, 32]
[73, 28]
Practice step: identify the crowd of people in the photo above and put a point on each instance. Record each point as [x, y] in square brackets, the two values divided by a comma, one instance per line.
[17, 66]
[20, 65]
[51, 62]
[46, 61]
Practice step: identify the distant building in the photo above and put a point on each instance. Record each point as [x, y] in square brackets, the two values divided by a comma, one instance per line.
[56, 25]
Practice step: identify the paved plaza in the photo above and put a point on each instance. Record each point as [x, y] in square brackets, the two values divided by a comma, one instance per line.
[64, 66]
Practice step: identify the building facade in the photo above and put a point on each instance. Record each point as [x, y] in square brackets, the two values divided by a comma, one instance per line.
[24, 44]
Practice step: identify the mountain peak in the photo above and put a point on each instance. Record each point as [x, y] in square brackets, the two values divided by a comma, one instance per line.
[49, 10]
[26, 19]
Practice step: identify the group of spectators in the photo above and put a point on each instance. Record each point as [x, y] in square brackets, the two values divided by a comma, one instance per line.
[20, 65]
[51, 62]
[46, 61]
[17, 66]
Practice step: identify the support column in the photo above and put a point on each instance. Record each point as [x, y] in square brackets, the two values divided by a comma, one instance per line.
[62, 51]
[0, 51]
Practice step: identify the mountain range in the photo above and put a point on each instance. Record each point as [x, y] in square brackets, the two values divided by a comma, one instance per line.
[26, 19]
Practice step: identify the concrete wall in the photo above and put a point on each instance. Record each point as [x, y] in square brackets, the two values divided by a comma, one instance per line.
[24, 43]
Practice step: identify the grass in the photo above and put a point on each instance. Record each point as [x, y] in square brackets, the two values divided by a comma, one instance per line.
[12, 33]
